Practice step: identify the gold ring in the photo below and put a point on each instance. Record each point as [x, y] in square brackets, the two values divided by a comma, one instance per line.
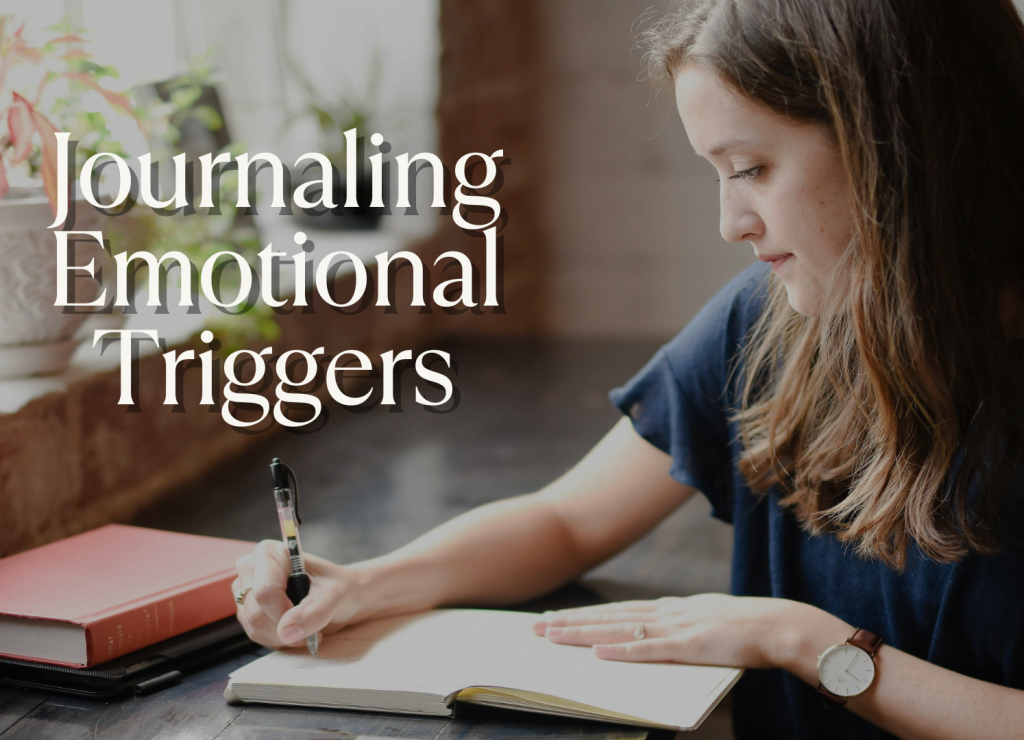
[639, 632]
[240, 596]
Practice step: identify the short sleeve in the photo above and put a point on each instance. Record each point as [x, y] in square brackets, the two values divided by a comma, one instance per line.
[682, 400]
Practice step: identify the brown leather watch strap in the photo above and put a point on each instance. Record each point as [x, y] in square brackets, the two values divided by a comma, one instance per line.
[866, 641]
[830, 700]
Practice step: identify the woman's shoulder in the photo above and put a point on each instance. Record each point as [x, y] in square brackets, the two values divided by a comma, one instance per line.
[679, 401]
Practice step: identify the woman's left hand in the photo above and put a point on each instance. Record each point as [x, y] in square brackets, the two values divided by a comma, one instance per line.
[709, 629]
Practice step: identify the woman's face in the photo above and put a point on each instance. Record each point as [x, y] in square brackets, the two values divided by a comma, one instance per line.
[783, 186]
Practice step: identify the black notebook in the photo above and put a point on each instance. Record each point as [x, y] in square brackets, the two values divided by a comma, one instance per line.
[145, 670]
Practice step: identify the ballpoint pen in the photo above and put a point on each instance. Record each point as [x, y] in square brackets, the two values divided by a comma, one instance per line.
[286, 494]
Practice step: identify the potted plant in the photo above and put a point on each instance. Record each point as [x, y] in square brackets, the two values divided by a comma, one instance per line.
[43, 87]
[334, 116]
[184, 116]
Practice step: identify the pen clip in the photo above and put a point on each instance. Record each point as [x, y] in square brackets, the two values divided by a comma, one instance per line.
[294, 486]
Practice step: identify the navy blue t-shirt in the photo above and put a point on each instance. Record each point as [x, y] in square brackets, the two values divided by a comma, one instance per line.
[967, 617]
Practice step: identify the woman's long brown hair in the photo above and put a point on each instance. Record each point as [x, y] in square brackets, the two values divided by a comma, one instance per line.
[861, 414]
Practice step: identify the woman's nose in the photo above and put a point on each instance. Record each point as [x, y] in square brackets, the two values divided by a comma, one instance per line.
[739, 223]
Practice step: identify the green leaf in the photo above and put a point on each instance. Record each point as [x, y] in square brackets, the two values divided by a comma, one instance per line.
[208, 117]
[186, 97]
[270, 329]
[324, 118]
[91, 68]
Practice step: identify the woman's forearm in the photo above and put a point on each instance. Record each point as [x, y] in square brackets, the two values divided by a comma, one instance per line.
[910, 698]
[520, 548]
[501, 553]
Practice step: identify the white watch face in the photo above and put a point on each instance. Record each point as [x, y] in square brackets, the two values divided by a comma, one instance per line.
[846, 670]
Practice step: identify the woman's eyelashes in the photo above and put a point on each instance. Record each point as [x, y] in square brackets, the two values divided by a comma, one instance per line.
[746, 174]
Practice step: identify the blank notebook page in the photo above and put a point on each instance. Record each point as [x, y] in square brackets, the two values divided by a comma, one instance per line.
[446, 650]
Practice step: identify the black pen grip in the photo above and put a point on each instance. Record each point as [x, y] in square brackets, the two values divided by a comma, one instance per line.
[298, 587]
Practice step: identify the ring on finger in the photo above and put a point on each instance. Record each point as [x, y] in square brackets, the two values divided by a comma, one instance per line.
[639, 631]
[240, 596]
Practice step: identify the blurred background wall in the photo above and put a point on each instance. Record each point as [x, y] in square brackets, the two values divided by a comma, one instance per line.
[630, 212]
[627, 211]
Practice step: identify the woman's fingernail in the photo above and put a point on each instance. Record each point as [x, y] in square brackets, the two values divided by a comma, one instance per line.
[292, 634]
[602, 651]
[554, 632]
[539, 627]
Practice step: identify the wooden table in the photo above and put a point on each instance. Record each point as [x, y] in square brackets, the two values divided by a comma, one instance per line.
[371, 482]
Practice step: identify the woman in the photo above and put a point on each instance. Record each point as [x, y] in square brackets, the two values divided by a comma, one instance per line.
[855, 411]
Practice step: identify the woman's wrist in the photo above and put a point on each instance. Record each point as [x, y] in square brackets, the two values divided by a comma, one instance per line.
[801, 634]
[388, 586]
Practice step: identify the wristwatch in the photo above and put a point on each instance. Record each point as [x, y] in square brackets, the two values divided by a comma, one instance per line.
[849, 669]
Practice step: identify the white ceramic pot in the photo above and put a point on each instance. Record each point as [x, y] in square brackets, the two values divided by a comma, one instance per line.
[35, 335]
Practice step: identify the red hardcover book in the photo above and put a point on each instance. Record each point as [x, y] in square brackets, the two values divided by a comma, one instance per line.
[93, 597]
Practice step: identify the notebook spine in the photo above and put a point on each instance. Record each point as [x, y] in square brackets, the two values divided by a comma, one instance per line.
[168, 615]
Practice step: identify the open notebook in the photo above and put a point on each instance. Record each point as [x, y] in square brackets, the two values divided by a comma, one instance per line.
[422, 664]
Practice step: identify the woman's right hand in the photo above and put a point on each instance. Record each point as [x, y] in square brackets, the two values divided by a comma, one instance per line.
[270, 618]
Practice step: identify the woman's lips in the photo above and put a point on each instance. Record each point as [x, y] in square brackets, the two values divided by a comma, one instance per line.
[777, 260]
